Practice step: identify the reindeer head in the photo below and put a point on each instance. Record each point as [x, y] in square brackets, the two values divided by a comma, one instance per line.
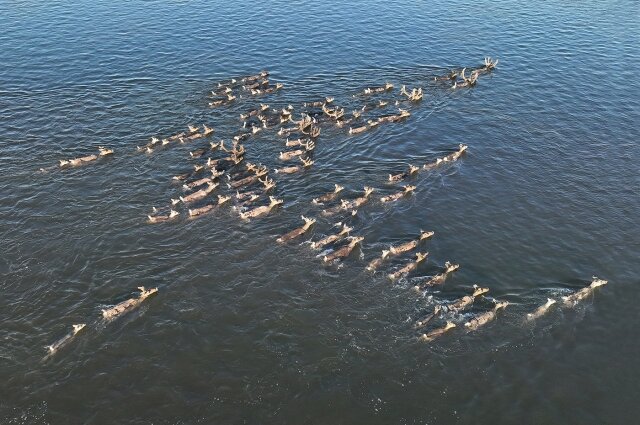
[274, 201]
[425, 235]
[367, 191]
[477, 291]
[356, 240]
[144, 293]
[104, 151]
[338, 188]
[345, 230]
[489, 64]
[308, 221]
[500, 304]
[421, 256]
[451, 267]
[261, 171]
[597, 282]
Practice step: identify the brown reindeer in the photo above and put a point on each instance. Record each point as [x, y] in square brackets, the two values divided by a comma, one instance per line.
[308, 222]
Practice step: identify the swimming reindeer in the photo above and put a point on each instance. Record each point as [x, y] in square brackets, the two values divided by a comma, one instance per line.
[259, 172]
[202, 193]
[308, 222]
[306, 163]
[446, 159]
[358, 130]
[335, 113]
[394, 197]
[267, 184]
[372, 90]
[409, 267]
[197, 183]
[195, 212]
[344, 251]
[396, 178]
[422, 323]
[121, 308]
[53, 348]
[415, 95]
[259, 211]
[254, 112]
[394, 118]
[328, 196]
[464, 302]
[318, 103]
[457, 154]
[451, 76]
[160, 218]
[437, 332]
[408, 246]
[252, 78]
[287, 156]
[573, 299]
[296, 142]
[439, 278]
[332, 238]
[358, 202]
[102, 151]
[376, 262]
[540, 311]
[466, 81]
[486, 317]
[489, 65]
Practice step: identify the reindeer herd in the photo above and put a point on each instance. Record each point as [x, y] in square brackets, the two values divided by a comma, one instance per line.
[220, 177]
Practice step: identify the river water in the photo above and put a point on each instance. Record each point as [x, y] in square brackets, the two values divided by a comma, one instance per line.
[245, 330]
